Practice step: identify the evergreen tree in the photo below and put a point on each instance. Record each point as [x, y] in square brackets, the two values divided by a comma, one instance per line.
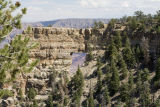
[98, 64]
[49, 102]
[131, 102]
[156, 103]
[115, 81]
[111, 25]
[99, 81]
[157, 76]
[34, 104]
[129, 57]
[77, 84]
[90, 99]
[133, 24]
[138, 54]
[145, 51]
[8, 22]
[118, 40]
[111, 52]
[123, 68]
[100, 25]
[89, 57]
[128, 54]
[14, 57]
[127, 43]
[95, 25]
[139, 15]
[130, 81]
[145, 75]
[124, 93]
[131, 92]
[124, 72]
[145, 95]
[32, 93]
[106, 96]
[108, 77]
[138, 83]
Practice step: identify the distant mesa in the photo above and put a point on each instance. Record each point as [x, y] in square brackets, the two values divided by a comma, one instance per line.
[68, 23]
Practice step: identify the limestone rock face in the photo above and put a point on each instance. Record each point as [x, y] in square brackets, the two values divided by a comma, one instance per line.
[56, 46]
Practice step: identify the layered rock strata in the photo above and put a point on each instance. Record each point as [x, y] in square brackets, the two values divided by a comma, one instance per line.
[56, 46]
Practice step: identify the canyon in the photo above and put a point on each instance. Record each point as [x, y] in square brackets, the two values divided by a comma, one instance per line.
[55, 51]
[58, 44]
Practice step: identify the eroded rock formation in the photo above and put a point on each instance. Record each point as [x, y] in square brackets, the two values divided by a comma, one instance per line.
[56, 46]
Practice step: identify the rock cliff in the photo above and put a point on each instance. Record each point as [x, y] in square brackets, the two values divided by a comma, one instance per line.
[58, 44]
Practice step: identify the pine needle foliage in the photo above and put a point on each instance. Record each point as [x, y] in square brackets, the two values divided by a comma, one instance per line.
[14, 57]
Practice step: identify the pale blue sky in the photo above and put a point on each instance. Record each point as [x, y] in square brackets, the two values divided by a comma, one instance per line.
[42, 10]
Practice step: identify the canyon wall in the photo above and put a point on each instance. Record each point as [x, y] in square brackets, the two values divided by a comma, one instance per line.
[56, 45]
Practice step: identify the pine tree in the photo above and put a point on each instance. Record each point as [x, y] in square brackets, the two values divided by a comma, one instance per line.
[8, 22]
[99, 81]
[157, 75]
[98, 64]
[118, 40]
[111, 25]
[144, 95]
[114, 83]
[127, 43]
[49, 102]
[89, 56]
[145, 75]
[145, 50]
[156, 103]
[138, 54]
[138, 83]
[131, 102]
[128, 54]
[14, 56]
[130, 81]
[129, 57]
[131, 91]
[106, 96]
[32, 93]
[77, 84]
[124, 92]
[108, 77]
[111, 52]
[90, 99]
[34, 104]
[123, 67]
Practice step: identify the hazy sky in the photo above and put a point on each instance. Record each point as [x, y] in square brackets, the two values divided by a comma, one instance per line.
[42, 10]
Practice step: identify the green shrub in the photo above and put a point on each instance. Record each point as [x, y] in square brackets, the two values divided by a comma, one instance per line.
[65, 101]
[157, 84]
[5, 93]
[49, 102]
[20, 94]
[89, 57]
[32, 93]
[34, 104]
